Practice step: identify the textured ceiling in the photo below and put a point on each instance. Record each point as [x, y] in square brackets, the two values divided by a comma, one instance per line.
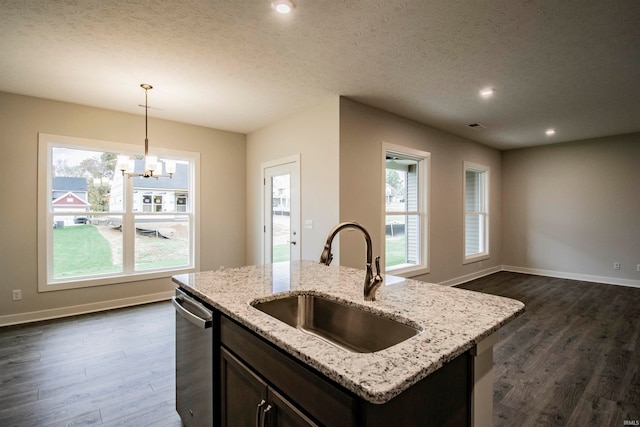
[237, 65]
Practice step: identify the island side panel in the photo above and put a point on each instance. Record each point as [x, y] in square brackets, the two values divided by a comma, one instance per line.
[441, 400]
[482, 393]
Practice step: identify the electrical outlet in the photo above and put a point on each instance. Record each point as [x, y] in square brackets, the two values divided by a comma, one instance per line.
[17, 294]
[616, 266]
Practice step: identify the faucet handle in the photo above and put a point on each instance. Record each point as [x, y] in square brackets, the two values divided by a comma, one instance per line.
[326, 257]
[372, 284]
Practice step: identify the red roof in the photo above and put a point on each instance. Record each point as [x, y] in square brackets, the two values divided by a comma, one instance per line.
[69, 199]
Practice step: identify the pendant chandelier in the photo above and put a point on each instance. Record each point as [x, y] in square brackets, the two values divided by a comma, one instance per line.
[152, 168]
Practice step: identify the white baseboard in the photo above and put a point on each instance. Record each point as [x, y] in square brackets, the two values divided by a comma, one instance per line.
[469, 277]
[539, 272]
[54, 313]
[573, 276]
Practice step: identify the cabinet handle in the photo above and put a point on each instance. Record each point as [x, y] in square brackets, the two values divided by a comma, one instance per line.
[265, 413]
[260, 405]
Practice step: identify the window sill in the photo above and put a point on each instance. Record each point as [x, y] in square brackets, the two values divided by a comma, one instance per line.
[113, 280]
[408, 270]
[475, 258]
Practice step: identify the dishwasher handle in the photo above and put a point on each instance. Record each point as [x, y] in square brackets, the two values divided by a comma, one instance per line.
[188, 315]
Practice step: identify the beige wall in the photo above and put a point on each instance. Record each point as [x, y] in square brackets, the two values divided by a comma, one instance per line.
[313, 134]
[362, 131]
[222, 179]
[570, 207]
[574, 207]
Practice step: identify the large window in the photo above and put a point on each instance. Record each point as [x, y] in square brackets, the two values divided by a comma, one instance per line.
[96, 226]
[406, 210]
[476, 212]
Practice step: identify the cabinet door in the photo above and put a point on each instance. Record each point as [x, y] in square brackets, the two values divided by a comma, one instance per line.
[242, 392]
[284, 414]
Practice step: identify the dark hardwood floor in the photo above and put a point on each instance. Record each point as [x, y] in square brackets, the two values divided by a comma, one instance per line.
[573, 359]
[114, 368]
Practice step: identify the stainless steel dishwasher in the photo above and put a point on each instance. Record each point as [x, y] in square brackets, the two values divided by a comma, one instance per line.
[194, 361]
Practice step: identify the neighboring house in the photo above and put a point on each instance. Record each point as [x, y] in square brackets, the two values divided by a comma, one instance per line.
[69, 194]
[281, 198]
[394, 195]
[153, 195]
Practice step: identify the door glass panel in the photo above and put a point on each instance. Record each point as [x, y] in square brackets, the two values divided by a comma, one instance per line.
[281, 217]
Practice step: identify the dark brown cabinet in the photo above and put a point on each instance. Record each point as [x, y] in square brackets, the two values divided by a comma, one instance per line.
[247, 400]
[286, 414]
[253, 371]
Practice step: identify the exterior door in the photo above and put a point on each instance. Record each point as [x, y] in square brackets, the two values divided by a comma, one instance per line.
[282, 210]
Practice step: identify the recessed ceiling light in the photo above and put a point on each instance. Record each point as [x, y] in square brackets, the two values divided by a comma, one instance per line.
[550, 132]
[283, 6]
[487, 92]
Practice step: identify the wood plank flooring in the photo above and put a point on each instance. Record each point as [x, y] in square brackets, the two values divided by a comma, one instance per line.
[573, 359]
[114, 368]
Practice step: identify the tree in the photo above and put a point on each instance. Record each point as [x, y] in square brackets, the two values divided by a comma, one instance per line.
[62, 168]
[394, 179]
[98, 171]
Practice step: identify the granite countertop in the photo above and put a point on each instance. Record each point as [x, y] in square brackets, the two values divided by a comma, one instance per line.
[452, 320]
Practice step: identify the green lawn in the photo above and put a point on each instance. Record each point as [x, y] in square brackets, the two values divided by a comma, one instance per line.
[152, 252]
[396, 245]
[80, 250]
[395, 251]
[281, 252]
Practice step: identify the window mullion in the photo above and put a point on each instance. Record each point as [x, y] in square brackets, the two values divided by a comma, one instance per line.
[402, 213]
[128, 228]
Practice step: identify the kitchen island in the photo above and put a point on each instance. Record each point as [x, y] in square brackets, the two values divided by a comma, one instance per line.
[455, 326]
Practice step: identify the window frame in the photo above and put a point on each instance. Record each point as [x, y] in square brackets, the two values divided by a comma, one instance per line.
[46, 283]
[484, 211]
[424, 193]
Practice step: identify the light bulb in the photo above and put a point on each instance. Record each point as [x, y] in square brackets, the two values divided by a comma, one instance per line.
[487, 92]
[122, 162]
[283, 6]
[170, 166]
[150, 163]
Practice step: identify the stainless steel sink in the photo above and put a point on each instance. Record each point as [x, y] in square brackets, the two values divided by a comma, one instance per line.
[340, 324]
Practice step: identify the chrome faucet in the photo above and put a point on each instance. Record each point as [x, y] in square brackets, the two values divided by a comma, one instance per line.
[371, 282]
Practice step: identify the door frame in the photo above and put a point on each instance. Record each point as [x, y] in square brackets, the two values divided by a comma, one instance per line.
[294, 160]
